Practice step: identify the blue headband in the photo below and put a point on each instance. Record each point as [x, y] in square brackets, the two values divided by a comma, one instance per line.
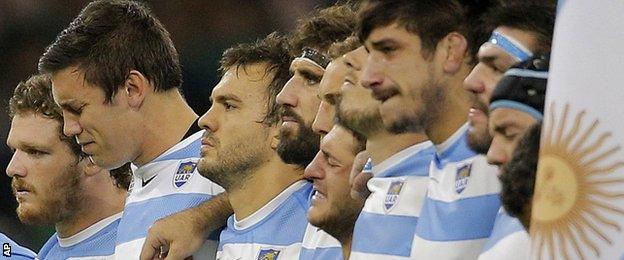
[511, 46]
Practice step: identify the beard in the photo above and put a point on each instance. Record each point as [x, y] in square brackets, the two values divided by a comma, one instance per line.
[340, 219]
[479, 138]
[432, 98]
[297, 146]
[233, 164]
[63, 201]
[366, 122]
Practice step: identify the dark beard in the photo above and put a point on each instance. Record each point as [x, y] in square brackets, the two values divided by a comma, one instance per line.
[297, 148]
[432, 97]
[365, 123]
[518, 176]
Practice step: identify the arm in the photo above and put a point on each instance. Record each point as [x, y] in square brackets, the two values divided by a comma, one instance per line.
[183, 233]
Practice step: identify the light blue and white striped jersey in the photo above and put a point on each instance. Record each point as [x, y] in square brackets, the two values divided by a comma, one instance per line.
[275, 231]
[461, 204]
[11, 250]
[318, 245]
[168, 184]
[509, 240]
[95, 242]
[387, 224]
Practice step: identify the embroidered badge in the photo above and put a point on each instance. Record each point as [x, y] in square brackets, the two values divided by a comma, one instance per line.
[392, 196]
[183, 174]
[461, 177]
[268, 254]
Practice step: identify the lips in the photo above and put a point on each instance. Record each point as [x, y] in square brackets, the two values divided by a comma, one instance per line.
[288, 115]
[318, 196]
[20, 189]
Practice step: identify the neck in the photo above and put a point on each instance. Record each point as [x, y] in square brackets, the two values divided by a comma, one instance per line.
[167, 118]
[263, 185]
[384, 144]
[346, 247]
[452, 114]
[107, 201]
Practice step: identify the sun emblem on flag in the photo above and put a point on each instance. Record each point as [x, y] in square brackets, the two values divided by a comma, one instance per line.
[573, 208]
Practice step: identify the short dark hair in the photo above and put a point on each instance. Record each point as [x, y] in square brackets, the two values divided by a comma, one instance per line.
[431, 20]
[272, 50]
[518, 175]
[35, 96]
[323, 28]
[108, 39]
[534, 16]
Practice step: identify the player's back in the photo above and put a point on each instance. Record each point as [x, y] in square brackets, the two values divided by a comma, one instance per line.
[95, 242]
[275, 230]
[387, 223]
[461, 204]
[12, 250]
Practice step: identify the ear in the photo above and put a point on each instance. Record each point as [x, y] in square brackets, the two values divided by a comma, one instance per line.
[456, 47]
[90, 169]
[136, 88]
[274, 135]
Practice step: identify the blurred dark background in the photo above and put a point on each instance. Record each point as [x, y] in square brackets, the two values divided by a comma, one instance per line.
[201, 31]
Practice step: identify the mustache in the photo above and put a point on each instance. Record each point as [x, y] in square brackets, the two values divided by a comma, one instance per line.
[210, 136]
[289, 112]
[19, 184]
[478, 104]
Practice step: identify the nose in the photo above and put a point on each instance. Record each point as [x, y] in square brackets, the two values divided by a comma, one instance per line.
[288, 95]
[372, 74]
[474, 81]
[71, 126]
[207, 121]
[315, 170]
[15, 167]
[497, 155]
[324, 120]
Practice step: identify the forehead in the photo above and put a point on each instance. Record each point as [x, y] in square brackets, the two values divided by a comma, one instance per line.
[507, 117]
[69, 84]
[338, 142]
[33, 129]
[394, 33]
[246, 82]
[356, 57]
[333, 77]
[299, 65]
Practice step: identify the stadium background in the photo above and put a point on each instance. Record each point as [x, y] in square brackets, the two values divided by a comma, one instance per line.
[200, 29]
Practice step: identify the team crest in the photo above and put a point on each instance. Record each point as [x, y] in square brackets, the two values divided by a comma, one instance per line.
[393, 195]
[268, 254]
[183, 174]
[461, 178]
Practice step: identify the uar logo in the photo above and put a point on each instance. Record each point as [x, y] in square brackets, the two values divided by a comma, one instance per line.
[183, 174]
[392, 196]
[268, 254]
[461, 178]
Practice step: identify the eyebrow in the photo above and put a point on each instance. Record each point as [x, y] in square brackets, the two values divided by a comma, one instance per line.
[332, 98]
[503, 127]
[226, 97]
[309, 74]
[380, 43]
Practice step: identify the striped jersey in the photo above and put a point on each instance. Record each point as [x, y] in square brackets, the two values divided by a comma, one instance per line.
[275, 231]
[318, 245]
[509, 240]
[95, 242]
[168, 184]
[461, 204]
[11, 250]
[387, 224]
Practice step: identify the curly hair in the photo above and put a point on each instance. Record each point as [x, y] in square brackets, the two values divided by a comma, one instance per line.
[518, 176]
[35, 96]
[323, 28]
